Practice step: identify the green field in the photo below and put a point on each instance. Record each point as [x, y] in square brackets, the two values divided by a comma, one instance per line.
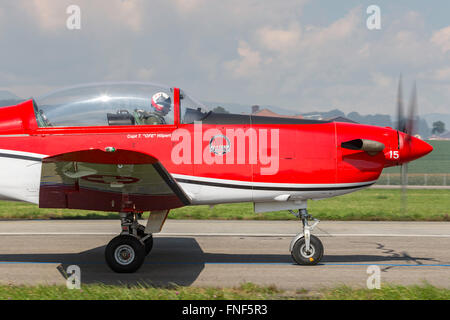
[369, 204]
[438, 161]
[431, 170]
[247, 291]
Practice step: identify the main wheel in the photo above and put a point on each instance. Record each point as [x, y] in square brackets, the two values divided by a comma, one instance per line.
[125, 254]
[307, 257]
[147, 242]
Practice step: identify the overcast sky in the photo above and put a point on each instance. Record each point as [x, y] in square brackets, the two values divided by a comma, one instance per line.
[296, 54]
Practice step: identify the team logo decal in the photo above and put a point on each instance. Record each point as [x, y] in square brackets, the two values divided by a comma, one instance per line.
[106, 179]
[219, 144]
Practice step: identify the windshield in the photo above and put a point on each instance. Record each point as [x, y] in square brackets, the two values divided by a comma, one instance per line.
[112, 104]
[191, 109]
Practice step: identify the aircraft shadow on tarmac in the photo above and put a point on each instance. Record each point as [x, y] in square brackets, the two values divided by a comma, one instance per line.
[179, 261]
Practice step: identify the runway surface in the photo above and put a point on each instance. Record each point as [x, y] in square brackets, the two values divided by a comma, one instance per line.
[228, 253]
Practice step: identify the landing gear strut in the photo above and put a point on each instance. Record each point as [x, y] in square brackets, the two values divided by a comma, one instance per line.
[305, 248]
[126, 252]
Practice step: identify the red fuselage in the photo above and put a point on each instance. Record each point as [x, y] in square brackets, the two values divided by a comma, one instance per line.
[306, 152]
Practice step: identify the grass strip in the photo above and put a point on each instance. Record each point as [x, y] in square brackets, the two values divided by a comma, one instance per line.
[246, 291]
[366, 205]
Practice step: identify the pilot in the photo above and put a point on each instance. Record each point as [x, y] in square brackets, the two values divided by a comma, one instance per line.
[161, 105]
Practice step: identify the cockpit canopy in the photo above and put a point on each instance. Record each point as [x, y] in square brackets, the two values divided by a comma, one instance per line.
[114, 104]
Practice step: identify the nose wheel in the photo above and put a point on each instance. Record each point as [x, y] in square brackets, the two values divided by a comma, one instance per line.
[305, 248]
[126, 253]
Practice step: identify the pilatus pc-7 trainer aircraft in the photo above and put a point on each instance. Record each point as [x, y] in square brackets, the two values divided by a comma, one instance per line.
[134, 147]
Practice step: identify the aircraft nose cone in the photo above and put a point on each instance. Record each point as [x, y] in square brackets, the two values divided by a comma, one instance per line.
[417, 148]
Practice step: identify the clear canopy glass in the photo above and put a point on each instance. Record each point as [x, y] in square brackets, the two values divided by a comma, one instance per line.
[106, 104]
[191, 109]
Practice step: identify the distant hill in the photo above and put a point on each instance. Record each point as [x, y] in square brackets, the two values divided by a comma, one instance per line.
[246, 109]
[382, 120]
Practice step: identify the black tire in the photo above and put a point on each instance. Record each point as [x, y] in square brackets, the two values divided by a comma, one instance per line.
[125, 254]
[147, 242]
[302, 257]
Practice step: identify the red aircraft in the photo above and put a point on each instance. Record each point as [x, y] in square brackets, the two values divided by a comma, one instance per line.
[135, 147]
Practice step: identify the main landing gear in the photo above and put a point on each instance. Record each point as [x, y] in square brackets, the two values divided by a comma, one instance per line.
[305, 248]
[126, 252]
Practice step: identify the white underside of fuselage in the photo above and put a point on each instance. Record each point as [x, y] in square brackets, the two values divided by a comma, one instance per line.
[203, 190]
[20, 176]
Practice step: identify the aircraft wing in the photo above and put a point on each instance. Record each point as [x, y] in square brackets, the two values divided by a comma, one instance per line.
[117, 180]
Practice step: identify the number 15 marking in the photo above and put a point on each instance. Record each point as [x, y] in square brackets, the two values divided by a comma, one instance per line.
[394, 155]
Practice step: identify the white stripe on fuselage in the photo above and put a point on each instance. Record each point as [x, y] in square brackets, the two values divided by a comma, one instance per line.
[22, 153]
[271, 184]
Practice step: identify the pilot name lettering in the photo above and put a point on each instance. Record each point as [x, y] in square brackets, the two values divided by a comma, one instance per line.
[148, 135]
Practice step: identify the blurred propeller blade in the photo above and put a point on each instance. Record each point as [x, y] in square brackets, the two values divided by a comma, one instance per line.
[407, 126]
[411, 124]
[400, 116]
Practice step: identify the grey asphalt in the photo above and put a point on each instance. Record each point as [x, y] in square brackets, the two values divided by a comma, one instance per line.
[228, 253]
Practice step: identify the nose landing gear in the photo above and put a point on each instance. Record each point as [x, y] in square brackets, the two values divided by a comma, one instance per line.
[126, 252]
[305, 248]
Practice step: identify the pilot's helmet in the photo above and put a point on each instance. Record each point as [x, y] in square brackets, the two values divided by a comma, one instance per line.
[161, 102]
